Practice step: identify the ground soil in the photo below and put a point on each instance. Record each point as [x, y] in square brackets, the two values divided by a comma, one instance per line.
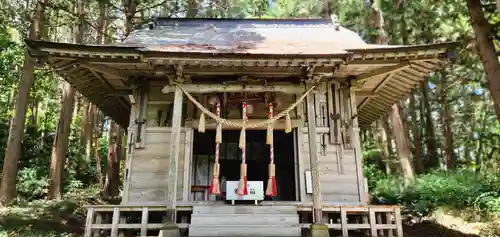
[431, 229]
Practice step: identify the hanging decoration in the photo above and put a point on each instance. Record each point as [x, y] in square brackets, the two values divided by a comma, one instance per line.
[201, 124]
[247, 125]
[288, 123]
[242, 185]
[269, 137]
[271, 182]
[215, 186]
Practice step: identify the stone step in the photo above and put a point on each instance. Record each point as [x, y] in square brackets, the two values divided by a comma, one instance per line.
[240, 209]
[244, 219]
[245, 230]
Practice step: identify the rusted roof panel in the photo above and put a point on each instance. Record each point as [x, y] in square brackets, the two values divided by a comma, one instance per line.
[259, 36]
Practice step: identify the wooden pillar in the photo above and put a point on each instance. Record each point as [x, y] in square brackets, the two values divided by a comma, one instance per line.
[356, 144]
[174, 155]
[313, 155]
[141, 113]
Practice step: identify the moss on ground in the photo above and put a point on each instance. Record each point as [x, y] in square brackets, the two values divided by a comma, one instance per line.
[47, 218]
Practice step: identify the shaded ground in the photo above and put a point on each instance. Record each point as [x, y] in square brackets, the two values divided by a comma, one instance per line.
[431, 229]
[44, 218]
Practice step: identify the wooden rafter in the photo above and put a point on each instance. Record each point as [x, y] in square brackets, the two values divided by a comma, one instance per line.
[382, 71]
[109, 88]
[365, 93]
[378, 88]
[103, 69]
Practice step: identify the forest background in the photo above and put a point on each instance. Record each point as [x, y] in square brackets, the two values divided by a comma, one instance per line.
[61, 153]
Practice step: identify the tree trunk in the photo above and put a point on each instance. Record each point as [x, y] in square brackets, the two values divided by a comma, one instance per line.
[404, 120]
[82, 164]
[84, 123]
[402, 144]
[419, 166]
[97, 142]
[89, 132]
[61, 140]
[446, 119]
[130, 7]
[388, 143]
[192, 8]
[470, 128]
[382, 145]
[486, 50]
[16, 131]
[431, 160]
[101, 22]
[398, 128]
[483, 127]
[63, 130]
[498, 7]
[98, 165]
[92, 109]
[113, 162]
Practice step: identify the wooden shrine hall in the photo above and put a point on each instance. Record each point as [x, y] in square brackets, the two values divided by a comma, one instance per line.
[243, 127]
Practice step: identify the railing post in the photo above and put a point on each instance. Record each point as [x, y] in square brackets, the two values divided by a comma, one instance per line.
[115, 222]
[399, 221]
[88, 221]
[144, 221]
[373, 223]
[343, 221]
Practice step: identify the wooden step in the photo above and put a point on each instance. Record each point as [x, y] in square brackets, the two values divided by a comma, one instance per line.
[247, 209]
[245, 230]
[244, 219]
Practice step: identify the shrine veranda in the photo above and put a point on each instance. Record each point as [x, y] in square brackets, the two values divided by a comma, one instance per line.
[181, 88]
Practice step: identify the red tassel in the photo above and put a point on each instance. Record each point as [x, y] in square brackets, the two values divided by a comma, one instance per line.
[211, 190]
[245, 189]
[215, 186]
[275, 191]
[242, 185]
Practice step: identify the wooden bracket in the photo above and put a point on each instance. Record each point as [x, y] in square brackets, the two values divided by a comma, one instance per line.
[140, 121]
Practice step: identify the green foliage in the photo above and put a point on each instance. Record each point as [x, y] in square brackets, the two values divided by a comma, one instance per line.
[456, 190]
[47, 218]
[41, 121]
[31, 185]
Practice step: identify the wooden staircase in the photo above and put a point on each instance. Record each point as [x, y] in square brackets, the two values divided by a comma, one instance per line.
[245, 221]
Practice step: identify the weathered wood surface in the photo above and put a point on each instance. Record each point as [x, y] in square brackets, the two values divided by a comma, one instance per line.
[313, 160]
[119, 219]
[381, 220]
[244, 221]
[164, 102]
[375, 226]
[211, 88]
[336, 186]
[149, 167]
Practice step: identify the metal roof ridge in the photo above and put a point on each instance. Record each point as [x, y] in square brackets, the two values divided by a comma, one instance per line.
[238, 19]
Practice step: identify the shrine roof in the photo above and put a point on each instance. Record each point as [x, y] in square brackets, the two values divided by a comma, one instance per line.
[248, 36]
[275, 49]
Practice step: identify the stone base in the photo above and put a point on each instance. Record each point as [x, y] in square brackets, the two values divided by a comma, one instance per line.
[169, 230]
[319, 230]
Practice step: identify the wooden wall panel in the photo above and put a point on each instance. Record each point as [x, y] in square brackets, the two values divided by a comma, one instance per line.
[143, 196]
[336, 186]
[149, 167]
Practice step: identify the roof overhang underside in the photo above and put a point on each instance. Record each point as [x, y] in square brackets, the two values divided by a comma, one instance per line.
[383, 75]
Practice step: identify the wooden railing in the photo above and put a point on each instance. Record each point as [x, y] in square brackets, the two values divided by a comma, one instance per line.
[128, 220]
[111, 220]
[377, 220]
